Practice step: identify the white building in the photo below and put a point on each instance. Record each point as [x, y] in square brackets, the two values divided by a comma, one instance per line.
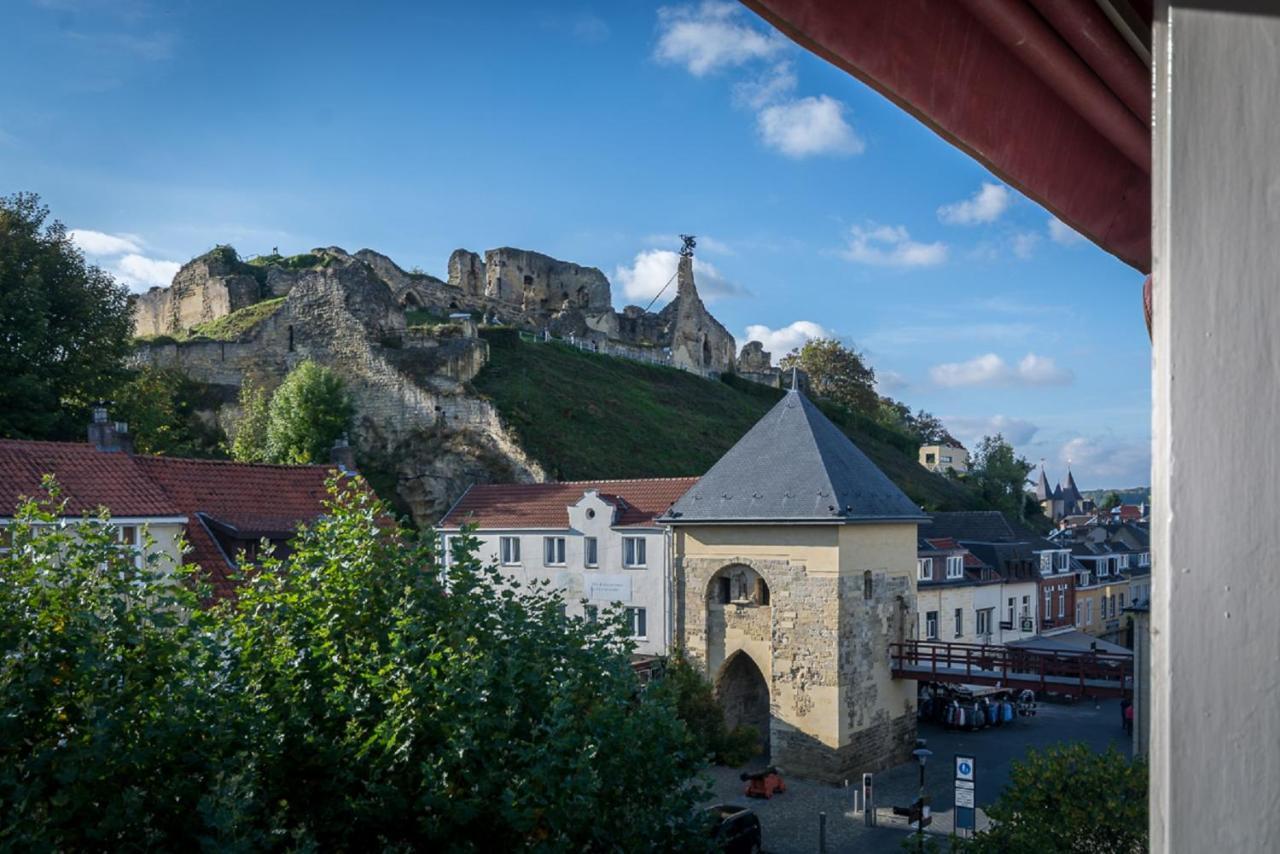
[597, 541]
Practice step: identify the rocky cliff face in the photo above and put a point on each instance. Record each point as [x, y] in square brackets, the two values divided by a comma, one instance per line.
[205, 288]
[417, 420]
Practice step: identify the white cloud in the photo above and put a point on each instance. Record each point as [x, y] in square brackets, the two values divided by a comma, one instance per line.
[101, 243]
[1106, 461]
[711, 35]
[1024, 244]
[121, 256]
[991, 370]
[891, 246]
[775, 84]
[986, 205]
[140, 272]
[808, 126]
[971, 429]
[783, 340]
[1060, 232]
[652, 269]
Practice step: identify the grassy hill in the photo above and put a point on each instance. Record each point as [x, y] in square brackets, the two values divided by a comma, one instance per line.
[584, 415]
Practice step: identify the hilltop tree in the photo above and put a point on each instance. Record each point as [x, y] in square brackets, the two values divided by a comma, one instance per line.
[65, 326]
[1112, 500]
[308, 413]
[837, 373]
[1000, 475]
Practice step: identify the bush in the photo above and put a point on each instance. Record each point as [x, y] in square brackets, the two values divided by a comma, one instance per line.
[308, 413]
[1068, 798]
[355, 695]
[697, 707]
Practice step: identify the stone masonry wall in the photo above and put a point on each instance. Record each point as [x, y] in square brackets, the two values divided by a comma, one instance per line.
[822, 646]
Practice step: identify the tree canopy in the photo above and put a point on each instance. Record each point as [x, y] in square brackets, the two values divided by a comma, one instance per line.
[65, 326]
[161, 407]
[299, 423]
[359, 693]
[1000, 475]
[837, 373]
[1069, 799]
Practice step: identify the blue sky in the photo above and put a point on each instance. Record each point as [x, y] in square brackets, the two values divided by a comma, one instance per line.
[594, 133]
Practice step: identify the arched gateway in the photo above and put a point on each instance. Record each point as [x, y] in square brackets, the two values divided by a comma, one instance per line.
[794, 557]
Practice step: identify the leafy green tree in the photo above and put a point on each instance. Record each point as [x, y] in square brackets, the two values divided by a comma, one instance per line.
[697, 706]
[1069, 799]
[308, 413]
[1112, 500]
[161, 407]
[356, 694]
[66, 326]
[1000, 475]
[117, 723]
[250, 443]
[837, 373]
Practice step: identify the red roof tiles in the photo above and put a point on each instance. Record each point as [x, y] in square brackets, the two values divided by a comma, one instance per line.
[544, 505]
[256, 500]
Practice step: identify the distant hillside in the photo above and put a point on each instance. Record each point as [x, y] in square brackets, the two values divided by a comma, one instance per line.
[584, 416]
[1129, 495]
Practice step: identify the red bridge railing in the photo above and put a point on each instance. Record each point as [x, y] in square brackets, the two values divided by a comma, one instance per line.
[1083, 674]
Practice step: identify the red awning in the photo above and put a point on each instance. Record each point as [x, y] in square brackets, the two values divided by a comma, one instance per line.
[1053, 96]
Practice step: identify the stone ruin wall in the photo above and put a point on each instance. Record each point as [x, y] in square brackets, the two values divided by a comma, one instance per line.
[413, 410]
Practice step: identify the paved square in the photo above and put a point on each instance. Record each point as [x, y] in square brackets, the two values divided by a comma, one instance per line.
[790, 821]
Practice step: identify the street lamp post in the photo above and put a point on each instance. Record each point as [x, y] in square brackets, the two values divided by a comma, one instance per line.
[922, 754]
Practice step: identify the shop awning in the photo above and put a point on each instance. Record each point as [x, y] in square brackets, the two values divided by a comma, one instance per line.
[1053, 96]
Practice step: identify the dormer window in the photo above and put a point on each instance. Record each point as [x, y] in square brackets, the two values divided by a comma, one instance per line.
[955, 567]
[925, 568]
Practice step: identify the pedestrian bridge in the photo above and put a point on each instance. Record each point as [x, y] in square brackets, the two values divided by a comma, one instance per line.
[1081, 674]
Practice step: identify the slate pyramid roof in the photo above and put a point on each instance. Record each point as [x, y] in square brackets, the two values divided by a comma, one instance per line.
[1069, 491]
[794, 465]
[1043, 492]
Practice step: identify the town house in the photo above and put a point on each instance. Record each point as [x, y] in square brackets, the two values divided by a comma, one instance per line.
[597, 541]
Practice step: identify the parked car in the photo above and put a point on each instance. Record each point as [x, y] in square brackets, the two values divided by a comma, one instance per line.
[735, 829]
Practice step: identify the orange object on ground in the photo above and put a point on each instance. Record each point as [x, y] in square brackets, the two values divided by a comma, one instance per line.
[763, 784]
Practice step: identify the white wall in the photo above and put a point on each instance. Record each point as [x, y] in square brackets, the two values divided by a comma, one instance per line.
[1215, 718]
[645, 587]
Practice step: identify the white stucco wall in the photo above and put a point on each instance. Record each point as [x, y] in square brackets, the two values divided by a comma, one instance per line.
[1215, 722]
[640, 587]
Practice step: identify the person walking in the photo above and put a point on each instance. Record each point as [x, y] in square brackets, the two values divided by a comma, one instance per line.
[1126, 714]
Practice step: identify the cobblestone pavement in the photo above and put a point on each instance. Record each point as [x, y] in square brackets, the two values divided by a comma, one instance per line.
[790, 821]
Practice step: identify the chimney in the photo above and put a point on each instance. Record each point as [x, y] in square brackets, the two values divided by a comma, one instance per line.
[343, 455]
[107, 435]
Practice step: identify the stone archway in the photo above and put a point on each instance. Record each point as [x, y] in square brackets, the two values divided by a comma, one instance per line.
[743, 693]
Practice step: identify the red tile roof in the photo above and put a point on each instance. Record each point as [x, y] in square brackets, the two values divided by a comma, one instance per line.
[89, 479]
[255, 499]
[544, 505]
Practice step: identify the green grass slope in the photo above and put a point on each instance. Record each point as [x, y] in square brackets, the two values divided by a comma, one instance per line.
[584, 416]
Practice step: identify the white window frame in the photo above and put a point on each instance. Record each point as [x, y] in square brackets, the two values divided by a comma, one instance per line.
[637, 623]
[133, 542]
[509, 551]
[1088, 611]
[590, 552]
[931, 631]
[1104, 568]
[1048, 603]
[924, 569]
[955, 567]
[1013, 610]
[1026, 607]
[1122, 562]
[1061, 561]
[1062, 601]
[959, 621]
[553, 551]
[631, 547]
[982, 617]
